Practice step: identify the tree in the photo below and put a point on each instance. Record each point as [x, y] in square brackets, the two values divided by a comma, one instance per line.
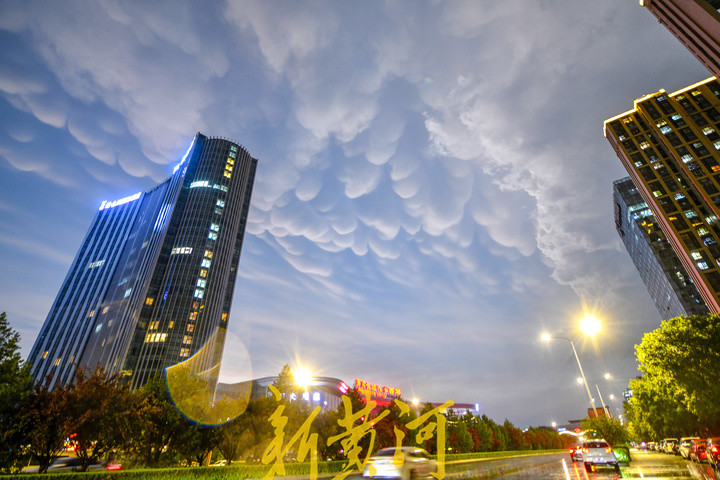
[97, 415]
[680, 361]
[15, 386]
[609, 429]
[42, 424]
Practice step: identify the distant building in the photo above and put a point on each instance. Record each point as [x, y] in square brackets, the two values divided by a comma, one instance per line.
[665, 278]
[325, 392]
[696, 23]
[669, 144]
[153, 280]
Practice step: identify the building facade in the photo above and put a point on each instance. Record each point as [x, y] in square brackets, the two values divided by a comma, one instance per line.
[669, 146]
[665, 278]
[696, 23]
[153, 280]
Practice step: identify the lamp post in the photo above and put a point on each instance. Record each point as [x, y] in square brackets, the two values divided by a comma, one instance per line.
[589, 326]
[607, 376]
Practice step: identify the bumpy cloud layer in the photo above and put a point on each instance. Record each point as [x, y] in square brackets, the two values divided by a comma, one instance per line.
[432, 176]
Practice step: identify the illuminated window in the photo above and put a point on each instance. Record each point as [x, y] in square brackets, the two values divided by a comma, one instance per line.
[193, 316]
[45, 354]
[212, 236]
[196, 304]
[227, 175]
[691, 213]
[214, 227]
[105, 310]
[205, 263]
[208, 254]
[696, 255]
[203, 273]
[201, 283]
[220, 203]
[190, 327]
[171, 323]
[224, 317]
[703, 231]
[153, 325]
[184, 352]
[149, 300]
[233, 148]
[91, 314]
[155, 337]
[218, 211]
[199, 293]
[702, 265]
[187, 340]
[57, 361]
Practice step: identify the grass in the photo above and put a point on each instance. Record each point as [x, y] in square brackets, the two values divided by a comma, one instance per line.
[238, 471]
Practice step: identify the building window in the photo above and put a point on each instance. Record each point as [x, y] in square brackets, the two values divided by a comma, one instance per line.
[153, 325]
[193, 315]
[214, 227]
[205, 263]
[201, 283]
[220, 203]
[187, 340]
[149, 301]
[91, 314]
[190, 327]
[171, 323]
[57, 361]
[199, 293]
[203, 273]
[184, 352]
[155, 337]
[208, 254]
[224, 317]
[212, 235]
[45, 354]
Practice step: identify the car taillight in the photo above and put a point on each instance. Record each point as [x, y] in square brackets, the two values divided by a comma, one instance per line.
[585, 450]
[714, 449]
[114, 467]
[608, 450]
[370, 460]
[572, 451]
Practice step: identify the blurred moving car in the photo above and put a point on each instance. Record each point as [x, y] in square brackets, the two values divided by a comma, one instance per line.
[411, 464]
[712, 450]
[599, 454]
[576, 453]
[74, 464]
[697, 451]
[684, 446]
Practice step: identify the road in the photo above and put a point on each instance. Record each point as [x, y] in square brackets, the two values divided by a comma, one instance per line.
[651, 465]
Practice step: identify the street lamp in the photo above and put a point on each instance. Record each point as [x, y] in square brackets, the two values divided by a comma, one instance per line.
[589, 326]
[607, 376]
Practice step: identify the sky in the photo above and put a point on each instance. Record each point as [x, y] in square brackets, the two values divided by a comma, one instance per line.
[433, 189]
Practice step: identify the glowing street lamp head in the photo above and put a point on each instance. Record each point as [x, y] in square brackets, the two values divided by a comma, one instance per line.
[302, 376]
[607, 376]
[415, 402]
[546, 337]
[590, 325]
[580, 380]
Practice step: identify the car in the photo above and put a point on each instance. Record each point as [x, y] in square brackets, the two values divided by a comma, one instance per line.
[712, 450]
[598, 453]
[697, 451]
[405, 463]
[576, 453]
[684, 446]
[74, 464]
[670, 445]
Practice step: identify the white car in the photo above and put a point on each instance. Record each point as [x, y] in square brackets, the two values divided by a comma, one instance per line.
[685, 444]
[406, 463]
[598, 453]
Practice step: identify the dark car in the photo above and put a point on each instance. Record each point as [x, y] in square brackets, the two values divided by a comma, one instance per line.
[697, 451]
[712, 450]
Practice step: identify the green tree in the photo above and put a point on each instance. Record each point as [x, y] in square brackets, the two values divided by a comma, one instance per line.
[607, 428]
[15, 386]
[679, 362]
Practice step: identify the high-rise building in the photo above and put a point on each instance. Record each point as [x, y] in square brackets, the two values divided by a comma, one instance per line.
[153, 280]
[669, 145]
[696, 23]
[665, 278]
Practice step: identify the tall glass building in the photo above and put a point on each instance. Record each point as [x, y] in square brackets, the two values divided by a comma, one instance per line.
[665, 278]
[670, 147]
[153, 280]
